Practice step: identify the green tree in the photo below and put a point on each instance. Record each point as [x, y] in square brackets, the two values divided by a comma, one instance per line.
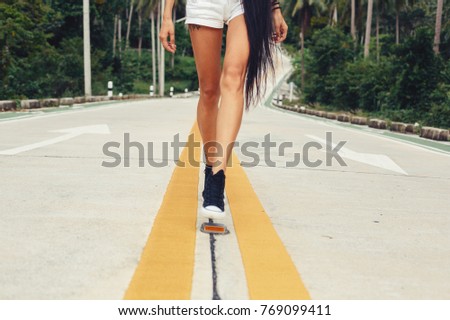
[437, 36]
[418, 72]
[304, 10]
[399, 6]
[329, 50]
[368, 28]
[25, 28]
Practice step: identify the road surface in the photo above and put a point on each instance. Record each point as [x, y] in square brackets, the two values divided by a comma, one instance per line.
[373, 223]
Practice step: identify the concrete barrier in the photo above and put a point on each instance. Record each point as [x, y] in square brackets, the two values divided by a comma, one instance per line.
[332, 115]
[434, 133]
[309, 111]
[409, 128]
[30, 104]
[47, 103]
[93, 99]
[343, 118]
[445, 135]
[359, 121]
[66, 101]
[79, 100]
[7, 105]
[377, 124]
[398, 127]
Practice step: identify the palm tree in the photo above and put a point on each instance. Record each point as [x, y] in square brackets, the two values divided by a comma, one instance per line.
[352, 11]
[353, 26]
[377, 25]
[381, 8]
[368, 28]
[119, 35]
[305, 9]
[152, 18]
[127, 43]
[437, 34]
[148, 8]
[333, 11]
[115, 35]
[399, 5]
[87, 49]
[140, 33]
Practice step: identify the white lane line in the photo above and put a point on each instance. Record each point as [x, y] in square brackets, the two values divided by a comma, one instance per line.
[376, 160]
[69, 134]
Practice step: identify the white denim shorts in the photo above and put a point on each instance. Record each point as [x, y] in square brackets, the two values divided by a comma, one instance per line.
[212, 13]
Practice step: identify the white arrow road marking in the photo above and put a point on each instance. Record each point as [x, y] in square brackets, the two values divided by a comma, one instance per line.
[376, 160]
[69, 134]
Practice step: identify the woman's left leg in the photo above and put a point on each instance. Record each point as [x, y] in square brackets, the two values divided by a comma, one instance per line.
[229, 116]
[232, 84]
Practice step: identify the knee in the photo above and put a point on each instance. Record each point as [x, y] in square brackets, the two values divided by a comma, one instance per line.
[210, 94]
[233, 78]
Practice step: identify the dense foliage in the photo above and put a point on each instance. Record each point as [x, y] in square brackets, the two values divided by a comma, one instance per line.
[41, 55]
[399, 82]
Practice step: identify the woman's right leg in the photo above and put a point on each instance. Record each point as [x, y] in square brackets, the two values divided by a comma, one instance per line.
[207, 46]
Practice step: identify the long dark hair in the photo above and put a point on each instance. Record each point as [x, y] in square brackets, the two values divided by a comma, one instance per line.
[258, 17]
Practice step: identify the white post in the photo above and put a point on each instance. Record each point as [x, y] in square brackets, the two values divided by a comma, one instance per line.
[291, 91]
[87, 49]
[152, 91]
[110, 89]
[171, 92]
[280, 100]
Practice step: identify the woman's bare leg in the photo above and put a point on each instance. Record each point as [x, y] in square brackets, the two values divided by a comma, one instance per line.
[207, 46]
[232, 83]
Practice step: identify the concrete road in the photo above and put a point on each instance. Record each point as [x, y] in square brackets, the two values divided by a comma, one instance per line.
[70, 227]
[375, 225]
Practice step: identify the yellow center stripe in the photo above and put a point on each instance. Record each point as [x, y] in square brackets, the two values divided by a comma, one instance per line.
[167, 263]
[270, 271]
[166, 267]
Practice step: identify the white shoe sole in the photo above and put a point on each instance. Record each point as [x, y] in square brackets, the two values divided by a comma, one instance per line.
[213, 214]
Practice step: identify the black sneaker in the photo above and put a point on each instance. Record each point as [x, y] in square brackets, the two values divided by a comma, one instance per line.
[213, 204]
[208, 172]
